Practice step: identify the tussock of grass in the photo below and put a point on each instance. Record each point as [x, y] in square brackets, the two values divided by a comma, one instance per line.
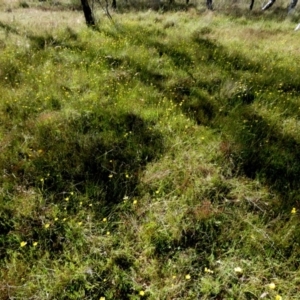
[156, 158]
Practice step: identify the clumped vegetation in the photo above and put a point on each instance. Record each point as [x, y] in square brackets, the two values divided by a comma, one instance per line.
[155, 157]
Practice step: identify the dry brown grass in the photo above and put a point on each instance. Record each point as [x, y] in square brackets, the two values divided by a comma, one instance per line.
[43, 21]
[9, 4]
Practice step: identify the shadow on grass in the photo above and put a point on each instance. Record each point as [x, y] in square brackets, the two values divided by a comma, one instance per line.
[98, 156]
[260, 149]
[8, 28]
[103, 152]
[267, 153]
[69, 40]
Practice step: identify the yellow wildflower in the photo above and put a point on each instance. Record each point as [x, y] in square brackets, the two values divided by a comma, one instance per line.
[238, 270]
[272, 286]
[67, 199]
[23, 244]
[188, 277]
[206, 270]
[293, 210]
[278, 297]
[47, 225]
[142, 293]
[35, 244]
[104, 220]
[102, 298]
[134, 202]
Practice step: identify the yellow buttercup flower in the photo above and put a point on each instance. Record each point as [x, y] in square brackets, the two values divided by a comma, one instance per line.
[102, 298]
[206, 270]
[278, 297]
[272, 286]
[142, 293]
[35, 244]
[238, 270]
[293, 210]
[23, 244]
[47, 225]
[188, 277]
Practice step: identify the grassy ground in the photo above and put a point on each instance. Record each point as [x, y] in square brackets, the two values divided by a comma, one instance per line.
[156, 157]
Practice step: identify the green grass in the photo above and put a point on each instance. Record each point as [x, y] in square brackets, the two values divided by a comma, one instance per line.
[152, 158]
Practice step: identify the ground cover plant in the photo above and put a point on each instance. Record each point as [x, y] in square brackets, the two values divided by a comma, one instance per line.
[152, 157]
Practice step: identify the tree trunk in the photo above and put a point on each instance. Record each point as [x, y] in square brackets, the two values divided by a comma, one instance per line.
[209, 4]
[89, 18]
[268, 5]
[292, 5]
